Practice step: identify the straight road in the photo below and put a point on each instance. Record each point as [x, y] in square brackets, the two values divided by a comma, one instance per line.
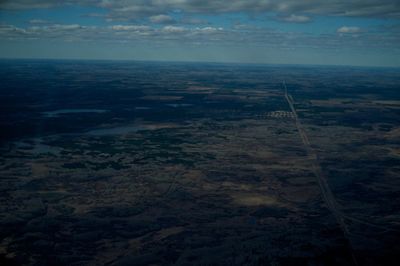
[322, 182]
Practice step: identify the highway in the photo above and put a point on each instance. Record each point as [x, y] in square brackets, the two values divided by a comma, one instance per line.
[322, 182]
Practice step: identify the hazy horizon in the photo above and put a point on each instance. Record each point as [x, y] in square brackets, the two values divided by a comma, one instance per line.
[111, 60]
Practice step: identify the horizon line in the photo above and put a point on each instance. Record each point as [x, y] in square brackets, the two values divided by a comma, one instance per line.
[193, 62]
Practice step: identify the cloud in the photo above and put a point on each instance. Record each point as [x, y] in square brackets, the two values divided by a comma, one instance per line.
[122, 9]
[240, 36]
[246, 27]
[38, 21]
[65, 32]
[10, 31]
[209, 30]
[295, 19]
[346, 29]
[162, 19]
[193, 21]
[173, 29]
[130, 28]
[66, 27]
[26, 4]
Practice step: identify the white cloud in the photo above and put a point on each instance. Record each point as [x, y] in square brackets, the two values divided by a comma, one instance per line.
[208, 30]
[296, 19]
[346, 29]
[161, 19]
[10, 30]
[172, 34]
[173, 29]
[130, 28]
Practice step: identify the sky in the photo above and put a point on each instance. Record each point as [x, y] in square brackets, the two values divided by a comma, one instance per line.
[319, 32]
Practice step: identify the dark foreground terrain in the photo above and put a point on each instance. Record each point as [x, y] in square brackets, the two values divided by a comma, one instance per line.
[113, 163]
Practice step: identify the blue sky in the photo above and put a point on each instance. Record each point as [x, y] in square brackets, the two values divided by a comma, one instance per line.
[337, 32]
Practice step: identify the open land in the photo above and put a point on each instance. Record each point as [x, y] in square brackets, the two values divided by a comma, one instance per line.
[133, 163]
